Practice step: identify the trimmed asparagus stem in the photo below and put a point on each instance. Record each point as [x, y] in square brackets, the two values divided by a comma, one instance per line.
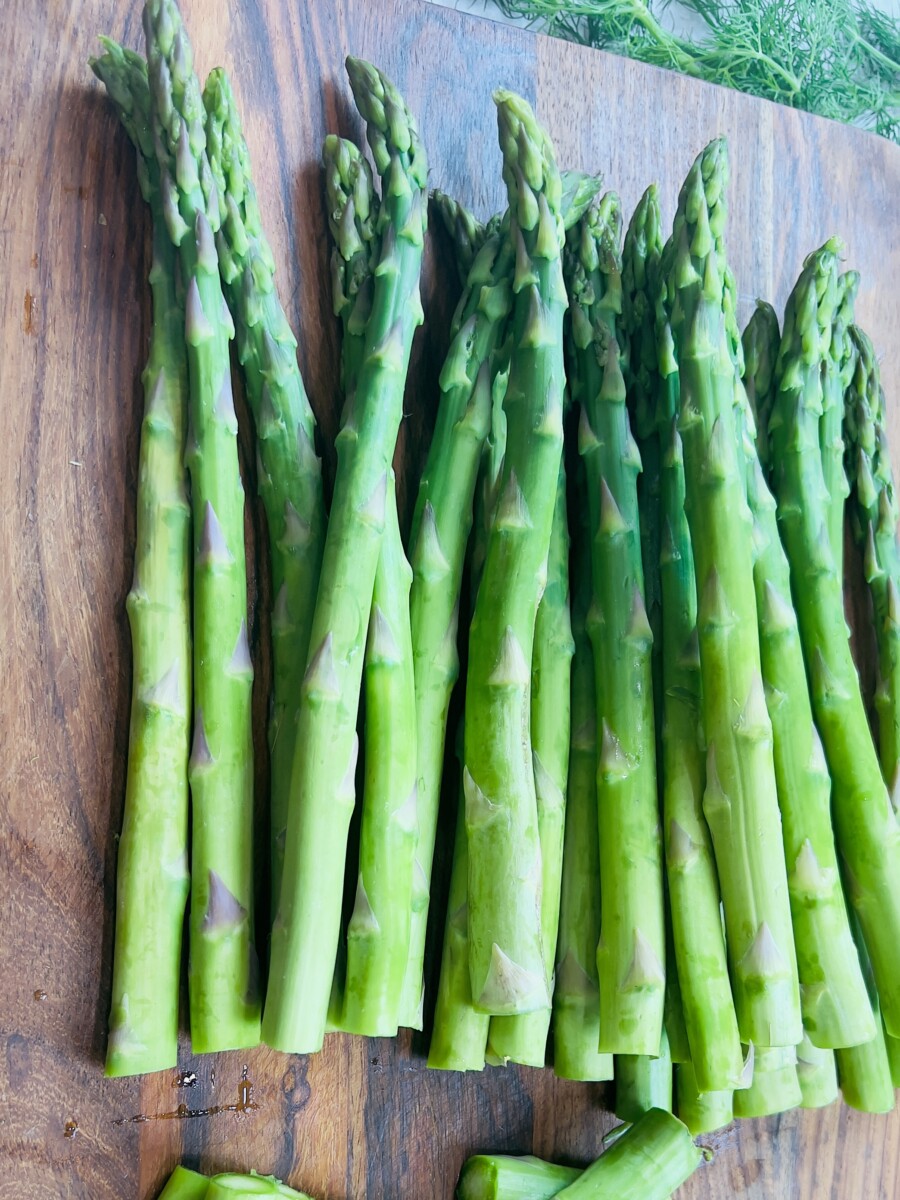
[834, 1004]
[222, 973]
[152, 877]
[184, 1184]
[441, 526]
[231, 1186]
[740, 799]
[643, 1082]
[760, 341]
[816, 1074]
[864, 1072]
[505, 946]
[702, 1112]
[631, 951]
[523, 1039]
[874, 517]
[289, 474]
[502, 1177]
[838, 355]
[866, 829]
[307, 929]
[774, 1087]
[576, 996]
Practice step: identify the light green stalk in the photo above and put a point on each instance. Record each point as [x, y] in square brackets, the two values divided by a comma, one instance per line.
[702, 1112]
[152, 876]
[289, 472]
[740, 800]
[631, 951]
[307, 929]
[231, 1186]
[576, 996]
[816, 1074]
[523, 1039]
[774, 1087]
[222, 974]
[502, 1177]
[505, 944]
[760, 341]
[864, 1072]
[866, 829]
[643, 1082]
[835, 1007]
[874, 516]
[185, 1185]
[441, 525]
[837, 365]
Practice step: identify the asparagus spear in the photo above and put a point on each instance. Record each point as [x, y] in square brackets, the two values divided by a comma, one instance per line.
[467, 233]
[874, 517]
[152, 879]
[307, 928]
[441, 525]
[523, 1039]
[837, 356]
[774, 1087]
[576, 996]
[378, 931]
[835, 1007]
[760, 342]
[505, 947]
[740, 800]
[185, 1185]
[631, 951]
[816, 1074]
[223, 966]
[643, 1081]
[702, 1112]
[289, 472]
[866, 829]
[864, 1071]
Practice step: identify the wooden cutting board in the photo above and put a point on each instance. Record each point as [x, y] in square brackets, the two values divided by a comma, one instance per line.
[364, 1118]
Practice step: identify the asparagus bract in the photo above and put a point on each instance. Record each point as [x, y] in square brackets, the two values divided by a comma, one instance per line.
[152, 876]
[307, 928]
[505, 946]
[866, 829]
[223, 972]
[740, 800]
[631, 951]
[289, 471]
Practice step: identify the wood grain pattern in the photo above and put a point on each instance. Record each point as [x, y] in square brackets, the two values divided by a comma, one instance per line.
[364, 1118]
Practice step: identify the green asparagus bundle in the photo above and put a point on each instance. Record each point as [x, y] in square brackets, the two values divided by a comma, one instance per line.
[289, 472]
[223, 969]
[740, 799]
[631, 951]
[307, 928]
[507, 966]
[866, 829]
[152, 879]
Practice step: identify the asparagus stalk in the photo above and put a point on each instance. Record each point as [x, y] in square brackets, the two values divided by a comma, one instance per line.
[643, 1081]
[816, 1074]
[506, 961]
[231, 1186]
[502, 1177]
[864, 1071]
[774, 1087]
[892, 1045]
[702, 1112]
[631, 951]
[874, 517]
[289, 472]
[223, 974]
[760, 341]
[866, 829]
[467, 233]
[576, 996]
[307, 928]
[835, 1007]
[523, 1039]
[740, 799]
[152, 879]
[185, 1185]
[837, 365]
[441, 525]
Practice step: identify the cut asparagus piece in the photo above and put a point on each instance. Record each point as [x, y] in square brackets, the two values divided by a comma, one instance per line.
[185, 1185]
[816, 1074]
[774, 1087]
[505, 946]
[231, 1186]
[152, 877]
[740, 800]
[307, 928]
[502, 1177]
[867, 835]
[523, 1039]
[702, 1112]
[643, 1082]
[289, 471]
[631, 951]
[223, 970]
